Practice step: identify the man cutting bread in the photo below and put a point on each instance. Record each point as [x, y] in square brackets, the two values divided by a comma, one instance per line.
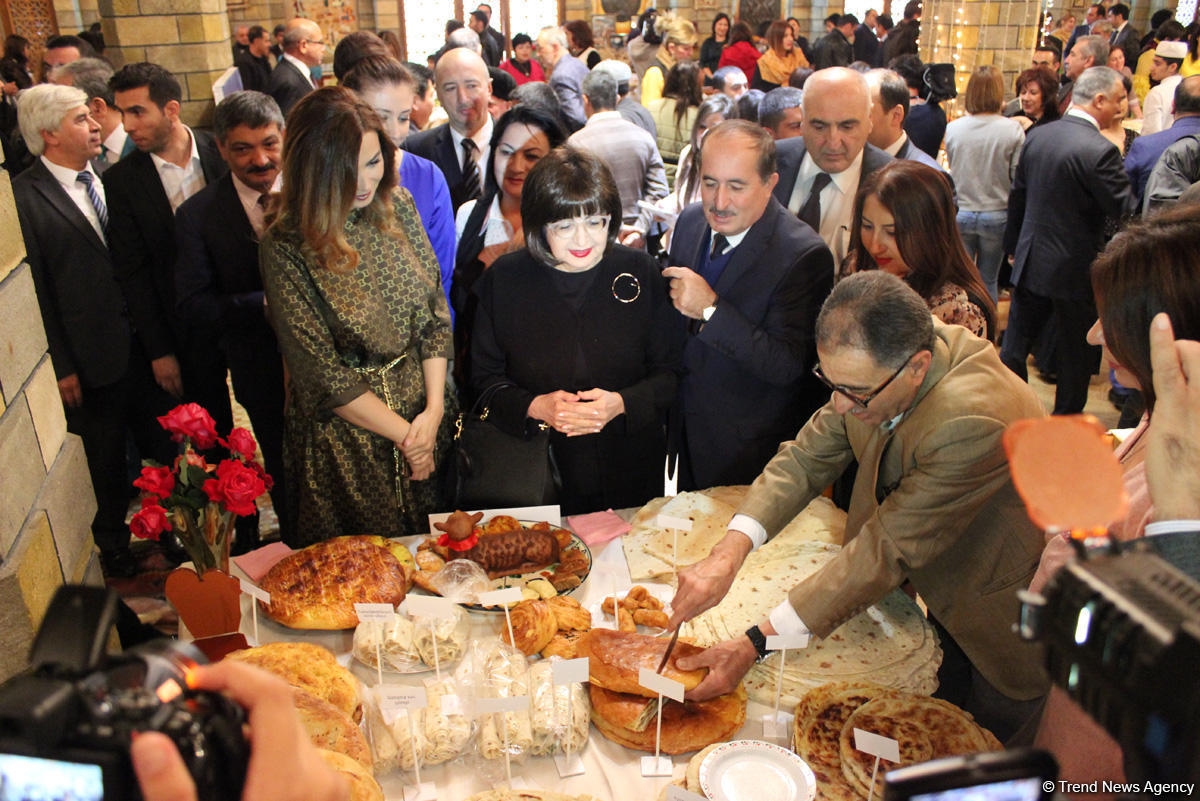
[922, 406]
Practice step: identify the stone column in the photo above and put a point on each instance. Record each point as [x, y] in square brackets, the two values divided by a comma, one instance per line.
[972, 33]
[47, 505]
[188, 37]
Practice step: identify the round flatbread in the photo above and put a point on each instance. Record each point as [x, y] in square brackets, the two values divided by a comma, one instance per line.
[330, 728]
[310, 668]
[821, 716]
[614, 658]
[363, 786]
[685, 727]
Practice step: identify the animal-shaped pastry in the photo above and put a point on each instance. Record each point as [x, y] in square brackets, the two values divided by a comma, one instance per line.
[504, 554]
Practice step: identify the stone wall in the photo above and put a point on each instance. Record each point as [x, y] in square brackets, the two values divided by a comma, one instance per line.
[188, 37]
[47, 504]
[974, 33]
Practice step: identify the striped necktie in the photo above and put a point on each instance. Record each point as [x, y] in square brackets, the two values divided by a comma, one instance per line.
[471, 184]
[85, 178]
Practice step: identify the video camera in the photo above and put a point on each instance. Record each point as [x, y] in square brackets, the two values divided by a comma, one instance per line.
[66, 724]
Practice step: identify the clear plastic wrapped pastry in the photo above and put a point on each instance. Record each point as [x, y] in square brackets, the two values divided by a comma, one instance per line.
[558, 714]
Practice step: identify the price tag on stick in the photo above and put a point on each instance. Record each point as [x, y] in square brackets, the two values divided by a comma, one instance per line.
[777, 726]
[569, 671]
[677, 793]
[489, 706]
[674, 525]
[658, 765]
[256, 594]
[429, 606]
[503, 598]
[879, 747]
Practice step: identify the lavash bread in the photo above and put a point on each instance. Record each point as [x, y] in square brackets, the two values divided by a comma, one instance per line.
[533, 626]
[446, 736]
[440, 737]
[550, 712]
[494, 669]
[648, 548]
[392, 640]
[317, 587]
[310, 668]
[330, 728]
[363, 786]
[614, 658]
[685, 727]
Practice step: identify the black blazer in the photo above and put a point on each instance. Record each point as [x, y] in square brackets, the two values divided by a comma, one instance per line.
[790, 155]
[527, 333]
[1054, 242]
[1130, 41]
[87, 328]
[141, 235]
[747, 382]
[287, 85]
[255, 72]
[217, 281]
[437, 146]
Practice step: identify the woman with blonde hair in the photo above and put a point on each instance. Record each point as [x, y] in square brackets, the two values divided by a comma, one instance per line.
[678, 45]
[354, 294]
[780, 60]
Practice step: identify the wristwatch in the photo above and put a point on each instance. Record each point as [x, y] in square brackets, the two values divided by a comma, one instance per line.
[707, 313]
[759, 641]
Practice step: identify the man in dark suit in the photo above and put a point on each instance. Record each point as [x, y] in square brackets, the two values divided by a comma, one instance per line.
[144, 189]
[836, 49]
[889, 109]
[1094, 14]
[832, 152]
[92, 76]
[1088, 52]
[460, 147]
[1124, 35]
[103, 372]
[254, 65]
[866, 43]
[749, 279]
[303, 49]
[1054, 242]
[478, 22]
[490, 32]
[217, 278]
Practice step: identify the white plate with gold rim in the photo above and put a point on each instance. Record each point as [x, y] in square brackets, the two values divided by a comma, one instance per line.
[752, 770]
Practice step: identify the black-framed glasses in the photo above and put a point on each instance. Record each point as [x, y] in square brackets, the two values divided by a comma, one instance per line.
[860, 401]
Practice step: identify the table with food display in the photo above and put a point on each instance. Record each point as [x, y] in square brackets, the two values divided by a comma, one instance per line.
[428, 692]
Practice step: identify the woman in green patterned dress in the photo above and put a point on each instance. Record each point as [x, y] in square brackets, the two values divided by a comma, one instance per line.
[354, 294]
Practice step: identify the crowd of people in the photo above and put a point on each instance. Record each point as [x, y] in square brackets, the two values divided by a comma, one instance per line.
[687, 252]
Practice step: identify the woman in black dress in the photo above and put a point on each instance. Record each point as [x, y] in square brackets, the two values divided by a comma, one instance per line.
[578, 330]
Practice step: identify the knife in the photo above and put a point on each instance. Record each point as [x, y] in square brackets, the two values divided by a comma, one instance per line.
[670, 648]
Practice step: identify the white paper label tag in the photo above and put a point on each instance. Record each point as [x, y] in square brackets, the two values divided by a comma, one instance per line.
[428, 606]
[257, 593]
[425, 791]
[487, 706]
[396, 698]
[660, 684]
[452, 705]
[790, 642]
[510, 595]
[568, 766]
[657, 767]
[777, 726]
[677, 523]
[677, 793]
[569, 671]
[380, 612]
[877, 745]
[515, 783]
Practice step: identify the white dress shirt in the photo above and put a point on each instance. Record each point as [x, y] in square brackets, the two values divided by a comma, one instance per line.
[1158, 111]
[837, 202]
[68, 179]
[249, 197]
[114, 145]
[304, 68]
[482, 139]
[1076, 111]
[180, 183]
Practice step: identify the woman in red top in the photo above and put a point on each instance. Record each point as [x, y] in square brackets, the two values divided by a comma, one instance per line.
[522, 66]
[740, 52]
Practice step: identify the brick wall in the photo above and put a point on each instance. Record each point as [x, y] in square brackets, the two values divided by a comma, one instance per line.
[47, 505]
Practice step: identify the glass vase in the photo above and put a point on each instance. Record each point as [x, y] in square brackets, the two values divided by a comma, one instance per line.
[206, 537]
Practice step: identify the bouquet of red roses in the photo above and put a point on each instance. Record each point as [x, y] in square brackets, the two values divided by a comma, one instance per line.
[197, 500]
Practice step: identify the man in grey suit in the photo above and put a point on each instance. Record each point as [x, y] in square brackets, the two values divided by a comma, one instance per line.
[889, 107]
[630, 153]
[832, 155]
[1054, 242]
[748, 279]
[303, 49]
[104, 375]
[565, 74]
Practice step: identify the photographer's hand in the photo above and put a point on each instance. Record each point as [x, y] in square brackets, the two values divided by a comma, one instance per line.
[284, 764]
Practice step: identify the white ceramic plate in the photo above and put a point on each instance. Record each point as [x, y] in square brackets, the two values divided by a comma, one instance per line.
[662, 592]
[752, 770]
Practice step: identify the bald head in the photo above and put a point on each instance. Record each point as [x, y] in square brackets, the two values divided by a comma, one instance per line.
[304, 39]
[464, 89]
[837, 117]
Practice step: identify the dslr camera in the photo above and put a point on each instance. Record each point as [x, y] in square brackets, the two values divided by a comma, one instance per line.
[67, 722]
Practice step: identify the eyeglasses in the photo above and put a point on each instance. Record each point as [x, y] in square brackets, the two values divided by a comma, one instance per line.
[860, 401]
[316, 41]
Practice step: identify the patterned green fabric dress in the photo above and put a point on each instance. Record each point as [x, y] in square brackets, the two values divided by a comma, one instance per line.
[343, 334]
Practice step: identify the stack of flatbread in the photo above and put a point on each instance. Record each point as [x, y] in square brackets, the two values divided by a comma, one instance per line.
[890, 644]
[925, 728]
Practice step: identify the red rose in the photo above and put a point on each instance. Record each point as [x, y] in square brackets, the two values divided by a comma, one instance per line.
[242, 443]
[263, 474]
[149, 522]
[158, 481]
[192, 421]
[236, 486]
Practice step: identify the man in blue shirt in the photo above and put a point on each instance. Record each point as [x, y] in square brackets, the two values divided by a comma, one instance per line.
[1146, 150]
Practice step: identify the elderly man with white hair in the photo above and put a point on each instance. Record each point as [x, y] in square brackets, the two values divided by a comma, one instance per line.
[820, 171]
[104, 375]
[565, 73]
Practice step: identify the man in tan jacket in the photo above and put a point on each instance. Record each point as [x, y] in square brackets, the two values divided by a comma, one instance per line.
[922, 406]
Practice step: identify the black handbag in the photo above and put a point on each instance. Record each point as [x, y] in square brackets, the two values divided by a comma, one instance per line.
[494, 469]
